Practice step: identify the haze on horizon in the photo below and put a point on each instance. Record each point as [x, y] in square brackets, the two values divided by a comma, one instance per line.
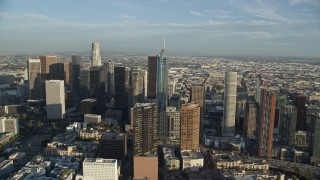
[209, 27]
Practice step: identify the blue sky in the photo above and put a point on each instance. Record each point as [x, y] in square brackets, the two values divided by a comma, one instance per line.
[211, 27]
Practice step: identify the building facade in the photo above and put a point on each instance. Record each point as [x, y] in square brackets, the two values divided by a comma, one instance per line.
[95, 54]
[190, 126]
[34, 78]
[229, 103]
[100, 169]
[56, 101]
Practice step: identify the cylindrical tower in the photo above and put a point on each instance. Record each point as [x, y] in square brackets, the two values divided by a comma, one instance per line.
[230, 97]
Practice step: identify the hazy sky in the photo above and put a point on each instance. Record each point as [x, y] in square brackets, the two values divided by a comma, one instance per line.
[216, 27]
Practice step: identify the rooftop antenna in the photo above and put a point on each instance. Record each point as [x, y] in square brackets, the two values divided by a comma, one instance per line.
[164, 46]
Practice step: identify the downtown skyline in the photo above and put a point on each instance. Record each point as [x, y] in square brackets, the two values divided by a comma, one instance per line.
[258, 28]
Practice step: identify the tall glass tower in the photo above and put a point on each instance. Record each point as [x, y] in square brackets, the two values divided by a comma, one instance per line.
[162, 81]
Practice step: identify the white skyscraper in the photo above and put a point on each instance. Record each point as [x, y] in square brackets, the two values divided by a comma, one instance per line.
[100, 169]
[55, 99]
[230, 97]
[95, 54]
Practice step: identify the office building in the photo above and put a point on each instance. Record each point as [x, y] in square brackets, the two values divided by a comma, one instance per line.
[92, 118]
[9, 125]
[121, 96]
[145, 167]
[56, 101]
[84, 83]
[110, 80]
[175, 101]
[197, 95]
[162, 82]
[6, 79]
[265, 125]
[171, 88]
[190, 126]
[34, 78]
[288, 124]
[192, 160]
[95, 54]
[113, 145]
[314, 145]
[173, 117]
[61, 71]
[76, 65]
[136, 86]
[229, 103]
[299, 101]
[45, 62]
[145, 125]
[152, 77]
[145, 83]
[100, 169]
[88, 106]
[249, 126]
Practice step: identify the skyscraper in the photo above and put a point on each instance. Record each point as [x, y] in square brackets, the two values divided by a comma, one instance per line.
[34, 76]
[145, 122]
[136, 86]
[110, 80]
[61, 71]
[249, 126]
[56, 101]
[230, 97]
[265, 124]
[314, 144]
[152, 77]
[100, 169]
[190, 125]
[95, 54]
[120, 96]
[162, 81]
[197, 95]
[46, 61]
[75, 69]
[299, 101]
[113, 145]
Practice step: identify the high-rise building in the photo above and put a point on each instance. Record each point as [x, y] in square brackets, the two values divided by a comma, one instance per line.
[265, 123]
[230, 98]
[34, 78]
[45, 62]
[299, 101]
[61, 71]
[145, 167]
[88, 106]
[314, 145]
[113, 145]
[145, 124]
[175, 101]
[95, 54]
[84, 83]
[173, 117]
[100, 169]
[171, 88]
[110, 80]
[56, 101]
[189, 126]
[145, 83]
[75, 69]
[288, 123]
[249, 126]
[162, 81]
[9, 125]
[120, 96]
[136, 86]
[152, 77]
[197, 95]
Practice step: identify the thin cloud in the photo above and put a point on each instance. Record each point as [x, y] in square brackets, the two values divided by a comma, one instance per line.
[196, 13]
[25, 16]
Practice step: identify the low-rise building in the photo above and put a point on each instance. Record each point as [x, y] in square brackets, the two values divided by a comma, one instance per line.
[6, 167]
[92, 118]
[191, 160]
[172, 162]
[17, 157]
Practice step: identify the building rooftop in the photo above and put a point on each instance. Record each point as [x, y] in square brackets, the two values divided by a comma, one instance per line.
[191, 154]
[99, 160]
